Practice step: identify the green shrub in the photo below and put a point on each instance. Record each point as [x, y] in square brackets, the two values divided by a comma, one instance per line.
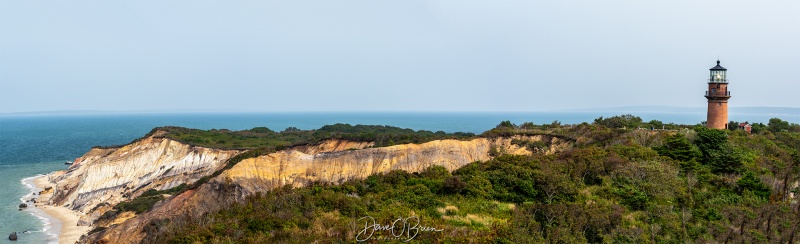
[620, 121]
[631, 196]
[749, 182]
[677, 147]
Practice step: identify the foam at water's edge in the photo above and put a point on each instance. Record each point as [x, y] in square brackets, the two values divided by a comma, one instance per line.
[50, 225]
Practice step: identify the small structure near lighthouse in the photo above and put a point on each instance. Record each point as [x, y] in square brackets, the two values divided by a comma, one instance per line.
[717, 95]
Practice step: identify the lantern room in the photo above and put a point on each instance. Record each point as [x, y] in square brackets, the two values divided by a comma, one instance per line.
[718, 74]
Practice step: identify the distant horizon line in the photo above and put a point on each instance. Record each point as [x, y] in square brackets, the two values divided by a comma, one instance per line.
[201, 111]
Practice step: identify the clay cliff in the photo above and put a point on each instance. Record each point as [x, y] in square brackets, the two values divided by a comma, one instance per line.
[104, 177]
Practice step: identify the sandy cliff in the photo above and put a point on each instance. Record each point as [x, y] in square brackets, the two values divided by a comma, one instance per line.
[300, 167]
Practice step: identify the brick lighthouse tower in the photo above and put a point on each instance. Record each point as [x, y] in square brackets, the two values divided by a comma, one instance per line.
[717, 96]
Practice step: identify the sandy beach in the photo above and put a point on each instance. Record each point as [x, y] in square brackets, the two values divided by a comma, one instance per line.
[69, 232]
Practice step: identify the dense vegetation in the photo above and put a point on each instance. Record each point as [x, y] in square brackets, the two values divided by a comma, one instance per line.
[683, 184]
[262, 137]
[383, 135]
[259, 137]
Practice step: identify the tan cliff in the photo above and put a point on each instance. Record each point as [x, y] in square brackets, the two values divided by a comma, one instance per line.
[299, 168]
[332, 161]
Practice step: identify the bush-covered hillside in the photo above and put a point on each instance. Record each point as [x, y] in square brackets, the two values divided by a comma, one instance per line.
[683, 184]
[262, 137]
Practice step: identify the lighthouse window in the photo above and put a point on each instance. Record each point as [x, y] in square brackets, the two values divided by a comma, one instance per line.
[719, 104]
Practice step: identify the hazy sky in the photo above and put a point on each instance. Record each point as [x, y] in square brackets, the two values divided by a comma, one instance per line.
[392, 55]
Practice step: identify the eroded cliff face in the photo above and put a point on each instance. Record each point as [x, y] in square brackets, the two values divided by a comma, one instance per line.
[301, 167]
[332, 161]
[104, 177]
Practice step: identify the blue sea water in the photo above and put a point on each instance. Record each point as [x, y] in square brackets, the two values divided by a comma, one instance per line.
[37, 144]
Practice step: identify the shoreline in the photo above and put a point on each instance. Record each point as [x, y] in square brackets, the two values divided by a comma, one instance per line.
[51, 226]
[63, 221]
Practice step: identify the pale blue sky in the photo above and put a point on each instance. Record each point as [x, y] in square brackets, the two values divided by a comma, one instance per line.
[392, 55]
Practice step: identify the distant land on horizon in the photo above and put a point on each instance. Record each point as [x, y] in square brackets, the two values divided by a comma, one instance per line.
[621, 110]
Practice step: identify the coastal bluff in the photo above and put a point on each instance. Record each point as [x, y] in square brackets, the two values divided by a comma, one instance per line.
[104, 177]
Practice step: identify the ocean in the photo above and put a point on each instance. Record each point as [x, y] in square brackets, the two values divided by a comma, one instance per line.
[31, 145]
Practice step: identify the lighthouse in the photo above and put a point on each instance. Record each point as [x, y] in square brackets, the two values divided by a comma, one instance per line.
[717, 95]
